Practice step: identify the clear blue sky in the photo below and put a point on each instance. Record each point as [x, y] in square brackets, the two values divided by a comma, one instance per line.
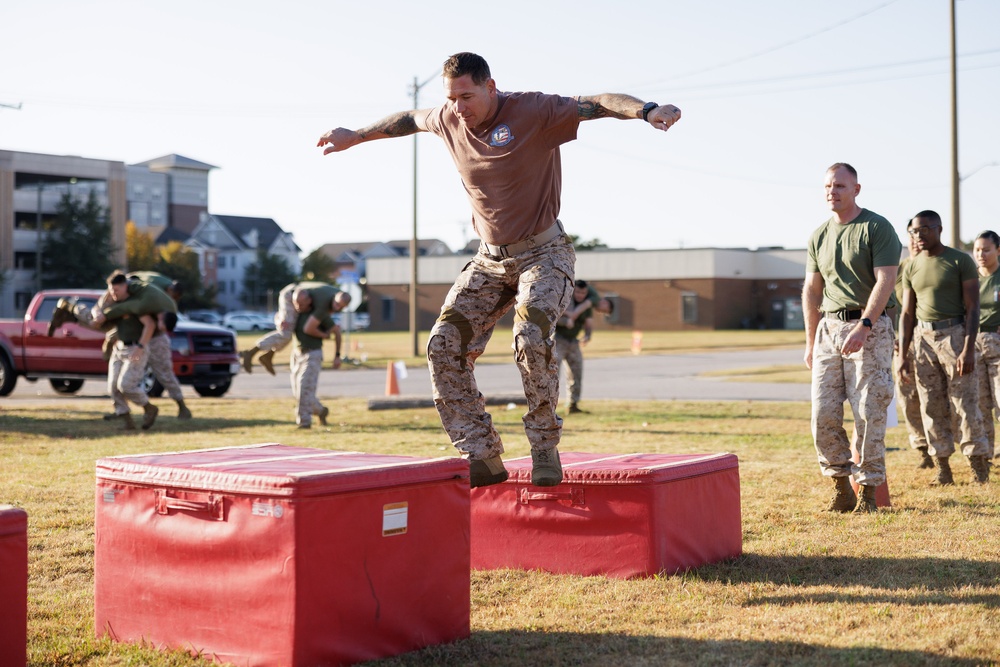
[772, 93]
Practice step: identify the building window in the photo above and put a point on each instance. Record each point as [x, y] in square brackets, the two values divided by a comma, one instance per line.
[222, 261]
[388, 309]
[689, 308]
[157, 193]
[210, 261]
[616, 308]
[24, 260]
[222, 287]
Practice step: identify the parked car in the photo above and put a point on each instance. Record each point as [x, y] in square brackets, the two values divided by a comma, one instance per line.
[206, 316]
[358, 321]
[204, 356]
[245, 320]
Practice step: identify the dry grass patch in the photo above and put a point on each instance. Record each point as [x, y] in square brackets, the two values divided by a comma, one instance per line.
[915, 585]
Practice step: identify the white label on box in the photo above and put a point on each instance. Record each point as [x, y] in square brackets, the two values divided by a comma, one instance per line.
[267, 509]
[394, 516]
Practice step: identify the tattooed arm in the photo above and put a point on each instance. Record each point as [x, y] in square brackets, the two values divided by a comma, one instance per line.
[400, 124]
[625, 107]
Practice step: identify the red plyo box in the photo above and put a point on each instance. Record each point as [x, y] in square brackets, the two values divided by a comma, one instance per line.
[623, 516]
[13, 586]
[275, 555]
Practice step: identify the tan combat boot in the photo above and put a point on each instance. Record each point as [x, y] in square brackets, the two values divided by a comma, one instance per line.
[149, 412]
[943, 477]
[182, 410]
[246, 356]
[546, 468]
[267, 361]
[844, 499]
[926, 460]
[980, 468]
[484, 472]
[866, 501]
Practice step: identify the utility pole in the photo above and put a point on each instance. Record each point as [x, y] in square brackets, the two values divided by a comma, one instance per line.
[414, 319]
[956, 221]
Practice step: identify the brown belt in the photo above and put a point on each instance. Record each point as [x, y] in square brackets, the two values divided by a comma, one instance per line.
[512, 249]
[941, 324]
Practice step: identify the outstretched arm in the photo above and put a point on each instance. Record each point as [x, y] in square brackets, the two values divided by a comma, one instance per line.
[400, 124]
[626, 107]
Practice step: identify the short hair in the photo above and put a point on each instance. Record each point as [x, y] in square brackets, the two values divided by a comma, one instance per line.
[117, 277]
[928, 215]
[464, 63]
[582, 284]
[837, 165]
[991, 235]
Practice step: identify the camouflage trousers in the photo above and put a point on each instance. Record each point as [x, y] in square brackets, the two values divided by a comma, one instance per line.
[305, 366]
[284, 323]
[570, 351]
[161, 362]
[909, 398]
[863, 379]
[988, 374]
[538, 284]
[946, 396]
[125, 375]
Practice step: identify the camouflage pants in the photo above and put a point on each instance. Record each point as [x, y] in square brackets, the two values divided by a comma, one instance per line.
[161, 362]
[910, 400]
[284, 323]
[944, 394]
[538, 284]
[305, 366]
[125, 377]
[863, 379]
[988, 373]
[570, 352]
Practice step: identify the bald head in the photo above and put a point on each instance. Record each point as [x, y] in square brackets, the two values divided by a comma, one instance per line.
[340, 301]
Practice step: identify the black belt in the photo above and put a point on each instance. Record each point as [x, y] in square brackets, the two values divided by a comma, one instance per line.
[941, 324]
[847, 315]
[512, 249]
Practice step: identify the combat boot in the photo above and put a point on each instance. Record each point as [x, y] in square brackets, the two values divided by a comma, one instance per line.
[980, 468]
[267, 361]
[323, 414]
[546, 468]
[926, 460]
[182, 410]
[246, 356]
[866, 501]
[943, 477]
[484, 472]
[129, 424]
[844, 498]
[62, 314]
[149, 416]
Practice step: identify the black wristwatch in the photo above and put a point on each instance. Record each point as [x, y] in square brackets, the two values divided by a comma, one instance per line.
[867, 322]
[646, 108]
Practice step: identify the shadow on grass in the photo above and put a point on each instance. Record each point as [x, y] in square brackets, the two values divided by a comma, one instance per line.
[933, 580]
[519, 647]
[84, 425]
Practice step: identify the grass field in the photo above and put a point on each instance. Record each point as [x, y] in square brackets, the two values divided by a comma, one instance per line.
[915, 585]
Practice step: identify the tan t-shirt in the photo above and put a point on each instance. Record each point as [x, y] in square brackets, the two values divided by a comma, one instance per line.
[510, 167]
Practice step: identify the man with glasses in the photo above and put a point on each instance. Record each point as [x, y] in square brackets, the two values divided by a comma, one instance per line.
[850, 273]
[941, 318]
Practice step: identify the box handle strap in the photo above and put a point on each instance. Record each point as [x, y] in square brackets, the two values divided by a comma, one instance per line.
[574, 496]
[211, 505]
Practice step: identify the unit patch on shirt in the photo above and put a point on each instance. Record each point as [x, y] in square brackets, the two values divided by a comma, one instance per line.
[501, 136]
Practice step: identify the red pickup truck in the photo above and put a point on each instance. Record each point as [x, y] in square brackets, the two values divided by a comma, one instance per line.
[204, 355]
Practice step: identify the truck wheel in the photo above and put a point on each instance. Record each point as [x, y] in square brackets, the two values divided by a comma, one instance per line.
[213, 390]
[152, 386]
[8, 378]
[65, 385]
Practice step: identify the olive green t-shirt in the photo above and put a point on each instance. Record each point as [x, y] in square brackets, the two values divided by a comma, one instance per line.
[129, 329]
[937, 283]
[989, 301]
[152, 278]
[143, 299]
[845, 256]
[304, 340]
[322, 298]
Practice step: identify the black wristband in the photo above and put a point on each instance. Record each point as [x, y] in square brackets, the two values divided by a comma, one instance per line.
[649, 106]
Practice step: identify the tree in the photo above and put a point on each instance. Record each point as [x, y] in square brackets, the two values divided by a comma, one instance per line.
[268, 273]
[593, 244]
[318, 266]
[78, 250]
[181, 263]
[140, 249]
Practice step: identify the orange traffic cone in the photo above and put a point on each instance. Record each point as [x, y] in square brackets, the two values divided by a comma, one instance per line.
[391, 384]
[881, 491]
